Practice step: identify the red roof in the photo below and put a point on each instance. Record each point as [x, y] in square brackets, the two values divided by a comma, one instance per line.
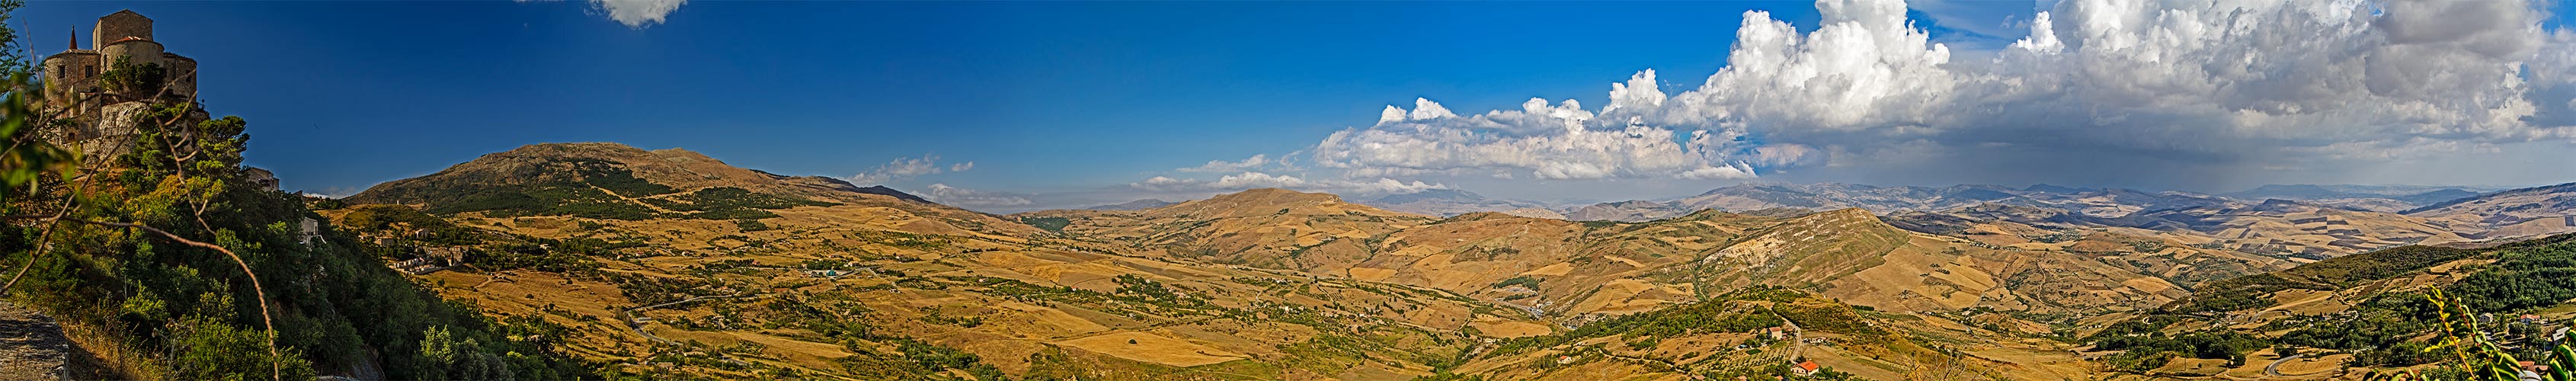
[1809, 365]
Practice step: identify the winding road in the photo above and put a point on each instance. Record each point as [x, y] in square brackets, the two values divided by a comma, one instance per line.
[2274, 370]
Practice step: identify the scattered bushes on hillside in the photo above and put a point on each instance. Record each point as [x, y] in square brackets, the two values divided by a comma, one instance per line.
[2524, 277]
[589, 188]
[1053, 224]
[546, 200]
[1717, 314]
[730, 203]
[2145, 352]
[2254, 290]
[1524, 281]
[2386, 330]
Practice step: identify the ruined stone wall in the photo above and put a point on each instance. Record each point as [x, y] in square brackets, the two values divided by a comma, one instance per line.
[69, 73]
[138, 52]
[183, 74]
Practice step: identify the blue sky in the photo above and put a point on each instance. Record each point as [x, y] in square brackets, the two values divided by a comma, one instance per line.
[1055, 103]
[343, 95]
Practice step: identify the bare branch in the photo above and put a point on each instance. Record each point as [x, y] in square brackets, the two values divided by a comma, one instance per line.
[265, 320]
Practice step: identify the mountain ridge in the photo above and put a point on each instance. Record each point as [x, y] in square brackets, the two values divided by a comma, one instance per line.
[616, 181]
[1447, 202]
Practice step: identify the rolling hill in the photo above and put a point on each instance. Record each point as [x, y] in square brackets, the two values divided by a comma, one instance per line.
[2364, 311]
[1134, 205]
[2526, 212]
[671, 260]
[829, 281]
[1579, 271]
[617, 182]
[2375, 198]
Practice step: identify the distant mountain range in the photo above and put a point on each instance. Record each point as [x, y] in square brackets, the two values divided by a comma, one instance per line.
[1134, 205]
[2301, 221]
[1448, 202]
[2098, 202]
[2362, 196]
[1890, 199]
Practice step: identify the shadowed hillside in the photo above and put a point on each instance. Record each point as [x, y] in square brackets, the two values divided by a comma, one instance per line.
[613, 181]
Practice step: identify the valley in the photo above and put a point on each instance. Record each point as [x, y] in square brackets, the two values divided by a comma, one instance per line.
[668, 262]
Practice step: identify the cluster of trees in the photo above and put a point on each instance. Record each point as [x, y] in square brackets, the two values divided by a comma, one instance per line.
[1524, 281]
[568, 256]
[2250, 291]
[2380, 332]
[1717, 314]
[576, 187]
[2387, 330]
[730, 203]
[2153, 349]
[836, 318]
[2526, 276]
[1053, 224]
[1138, 289]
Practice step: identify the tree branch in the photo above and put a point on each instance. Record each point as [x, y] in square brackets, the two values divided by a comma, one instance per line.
[265, 320]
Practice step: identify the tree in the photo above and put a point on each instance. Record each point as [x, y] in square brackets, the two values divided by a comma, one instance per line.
[162, 249]
[2474, 352]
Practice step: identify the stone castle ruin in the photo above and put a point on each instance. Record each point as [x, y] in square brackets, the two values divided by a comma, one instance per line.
[98, 93]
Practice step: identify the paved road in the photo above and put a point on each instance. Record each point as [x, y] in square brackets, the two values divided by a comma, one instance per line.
[2274, 370]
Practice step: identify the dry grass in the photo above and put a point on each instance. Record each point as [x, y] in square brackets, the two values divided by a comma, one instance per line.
[1152, 348]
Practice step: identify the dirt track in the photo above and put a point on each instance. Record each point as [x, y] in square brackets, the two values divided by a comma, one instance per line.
[32, 347]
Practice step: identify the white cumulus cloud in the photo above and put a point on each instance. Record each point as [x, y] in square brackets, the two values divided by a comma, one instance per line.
[970, 198]
[637, 13]
[2096, 89]
[2222, 82]
[1254, 162]
[1540, 140]
[907, 168]
[1256, 180]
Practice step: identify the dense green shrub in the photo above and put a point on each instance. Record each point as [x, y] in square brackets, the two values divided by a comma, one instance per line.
[195, 313]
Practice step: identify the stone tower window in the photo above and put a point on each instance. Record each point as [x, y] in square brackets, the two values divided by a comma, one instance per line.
[91, 70]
